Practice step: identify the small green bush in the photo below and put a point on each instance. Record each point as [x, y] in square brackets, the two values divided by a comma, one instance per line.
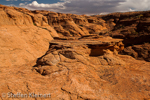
[139, 16]
[134, 32]
[34, 24]
[120, 26]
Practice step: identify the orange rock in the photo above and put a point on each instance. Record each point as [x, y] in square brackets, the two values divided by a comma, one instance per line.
[81, 66]
[20, 45]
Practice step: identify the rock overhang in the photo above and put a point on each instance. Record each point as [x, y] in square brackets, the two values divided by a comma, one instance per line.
[97, 44]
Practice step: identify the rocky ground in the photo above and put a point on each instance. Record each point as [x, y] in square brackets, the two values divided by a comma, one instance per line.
[73, 57]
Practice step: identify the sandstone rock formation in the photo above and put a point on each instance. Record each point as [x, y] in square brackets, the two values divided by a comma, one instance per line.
[133, 27]
[68, 71]
[21, 28]
[139, 51]
[73, 57]
[80, 50]
[20, 41]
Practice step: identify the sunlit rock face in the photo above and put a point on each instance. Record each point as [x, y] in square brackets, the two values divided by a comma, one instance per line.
[73, 57]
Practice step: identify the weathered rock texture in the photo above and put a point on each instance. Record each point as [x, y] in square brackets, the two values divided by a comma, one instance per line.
[25, 34]
[134, 28]
[20, 40]
[69, 71]
[75, 62]
[80, 50]
[138, 51]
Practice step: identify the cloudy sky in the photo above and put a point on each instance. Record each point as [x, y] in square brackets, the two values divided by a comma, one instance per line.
[82, 6]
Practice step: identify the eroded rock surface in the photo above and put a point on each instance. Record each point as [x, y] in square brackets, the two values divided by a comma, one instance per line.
[76, 62]
[25, 34]
[102, 76]
[68, 71]
[134, 28]
[21, 41]
[141, 52]
[81, 50]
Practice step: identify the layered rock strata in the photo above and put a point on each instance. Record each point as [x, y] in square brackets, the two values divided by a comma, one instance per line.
[80, 49]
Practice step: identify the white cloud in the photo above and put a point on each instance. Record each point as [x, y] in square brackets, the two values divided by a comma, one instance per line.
[91, 6]
[35, 5]
[135, 5]
[22, 4]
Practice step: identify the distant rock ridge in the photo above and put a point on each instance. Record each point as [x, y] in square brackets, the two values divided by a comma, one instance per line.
[134, 28]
